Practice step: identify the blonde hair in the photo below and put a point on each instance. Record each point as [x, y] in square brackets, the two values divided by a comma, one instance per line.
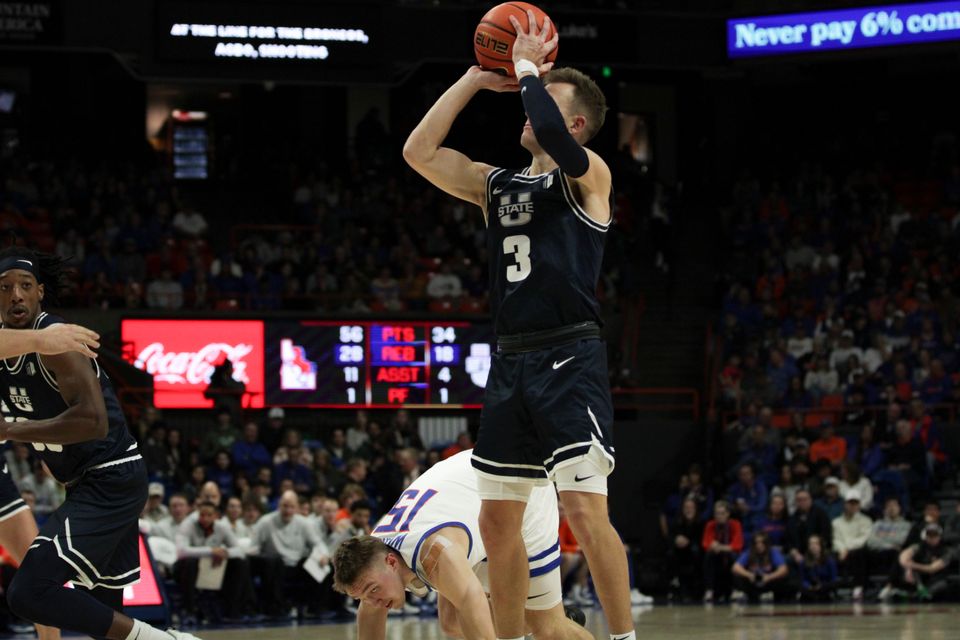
[353, 557]
[586, 94]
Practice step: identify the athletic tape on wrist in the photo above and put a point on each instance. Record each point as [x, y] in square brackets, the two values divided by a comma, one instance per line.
[522, 66]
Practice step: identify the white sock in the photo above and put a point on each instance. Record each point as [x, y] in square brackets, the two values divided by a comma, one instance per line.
[143, 631]
[624, 636]
[520, 638]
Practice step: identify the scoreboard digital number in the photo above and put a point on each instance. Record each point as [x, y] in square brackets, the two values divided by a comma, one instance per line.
[327, 364]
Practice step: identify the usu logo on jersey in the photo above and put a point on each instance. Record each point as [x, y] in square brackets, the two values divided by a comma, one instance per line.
[20, 399]
[515, 209]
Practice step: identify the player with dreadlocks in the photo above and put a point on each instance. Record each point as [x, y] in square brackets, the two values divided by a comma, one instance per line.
[65, 406]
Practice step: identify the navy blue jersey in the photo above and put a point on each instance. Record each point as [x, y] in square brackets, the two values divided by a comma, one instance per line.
[545, 253]
[29, 391]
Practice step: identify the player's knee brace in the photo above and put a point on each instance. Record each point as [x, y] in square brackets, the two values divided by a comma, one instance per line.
[490, 489]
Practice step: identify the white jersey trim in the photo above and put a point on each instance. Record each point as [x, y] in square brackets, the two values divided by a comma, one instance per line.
[578, 210]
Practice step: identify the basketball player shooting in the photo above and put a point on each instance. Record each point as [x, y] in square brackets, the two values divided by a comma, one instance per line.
[430, 539]
[65, 406]
[547, 410]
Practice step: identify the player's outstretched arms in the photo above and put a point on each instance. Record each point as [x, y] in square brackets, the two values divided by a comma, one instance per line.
[371, 622]
[446, 565]
[57, 338]
[85, 417]
[447, 169]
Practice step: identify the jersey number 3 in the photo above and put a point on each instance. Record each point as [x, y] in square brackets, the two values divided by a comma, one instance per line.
[519, 247]
[408, 500]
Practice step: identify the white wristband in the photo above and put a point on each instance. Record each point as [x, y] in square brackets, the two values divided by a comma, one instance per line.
[523, 66]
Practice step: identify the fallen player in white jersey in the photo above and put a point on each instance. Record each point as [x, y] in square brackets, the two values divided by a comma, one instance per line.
[431, 540]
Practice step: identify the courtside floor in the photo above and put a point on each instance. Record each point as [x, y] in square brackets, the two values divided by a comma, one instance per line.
[721, 622]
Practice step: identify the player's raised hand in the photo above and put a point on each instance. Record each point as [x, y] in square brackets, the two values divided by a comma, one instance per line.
[492, 80]
[533, 44]
[60, 338]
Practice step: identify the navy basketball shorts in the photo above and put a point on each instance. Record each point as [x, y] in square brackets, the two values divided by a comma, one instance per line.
[545, 410]
[96, 529]
[10, 501]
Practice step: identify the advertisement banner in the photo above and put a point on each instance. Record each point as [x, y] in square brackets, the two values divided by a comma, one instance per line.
[879, 26]
[181, 355]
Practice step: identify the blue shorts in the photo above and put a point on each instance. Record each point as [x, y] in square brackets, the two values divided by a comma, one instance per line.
[544, 410]
[96, 529]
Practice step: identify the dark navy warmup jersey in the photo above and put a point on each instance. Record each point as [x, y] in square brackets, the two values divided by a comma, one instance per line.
[29, 391]
[545, 253]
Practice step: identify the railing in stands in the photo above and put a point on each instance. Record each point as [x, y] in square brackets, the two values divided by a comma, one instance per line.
[237, 231]
[658, 399]
[812, 417]
[136, 398]
[642, 399]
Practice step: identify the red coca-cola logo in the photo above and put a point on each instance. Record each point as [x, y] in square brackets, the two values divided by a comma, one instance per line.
[192, 367]
[181, 355]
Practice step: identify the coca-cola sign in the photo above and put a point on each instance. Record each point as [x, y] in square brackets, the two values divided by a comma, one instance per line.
[181, 355]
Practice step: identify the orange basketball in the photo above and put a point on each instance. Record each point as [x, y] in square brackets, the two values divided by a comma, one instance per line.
[493, 39]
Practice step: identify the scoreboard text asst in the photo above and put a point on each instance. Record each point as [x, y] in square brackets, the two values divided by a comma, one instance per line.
[318, 364]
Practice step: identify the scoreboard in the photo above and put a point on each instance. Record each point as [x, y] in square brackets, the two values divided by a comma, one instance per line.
[376, 364]
[315, 363]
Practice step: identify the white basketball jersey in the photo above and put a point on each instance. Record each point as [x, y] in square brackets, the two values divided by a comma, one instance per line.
[446, 496]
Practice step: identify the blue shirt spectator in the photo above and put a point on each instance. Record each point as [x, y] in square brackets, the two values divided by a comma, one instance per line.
[775, 562]
[774, 521]
[780, 370]
[936, 389]
[292, 469]
[221, 473]
[818, 574]
[748, 497]
[249, 454]
[867, 452]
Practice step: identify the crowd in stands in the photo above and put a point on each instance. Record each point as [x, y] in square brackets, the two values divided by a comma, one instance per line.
[368, 237]
[839, 387]
[272, 504]
[807, 539]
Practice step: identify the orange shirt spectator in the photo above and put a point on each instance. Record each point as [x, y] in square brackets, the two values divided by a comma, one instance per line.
[730, 532]
[463, 443]
[828, 446]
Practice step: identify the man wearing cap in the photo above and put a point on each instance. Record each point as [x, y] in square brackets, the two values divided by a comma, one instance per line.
[272, 434]
[840, 355]
[932, 514]
[850, 533]
[155, 510]
[925, 567]
[896, 331]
